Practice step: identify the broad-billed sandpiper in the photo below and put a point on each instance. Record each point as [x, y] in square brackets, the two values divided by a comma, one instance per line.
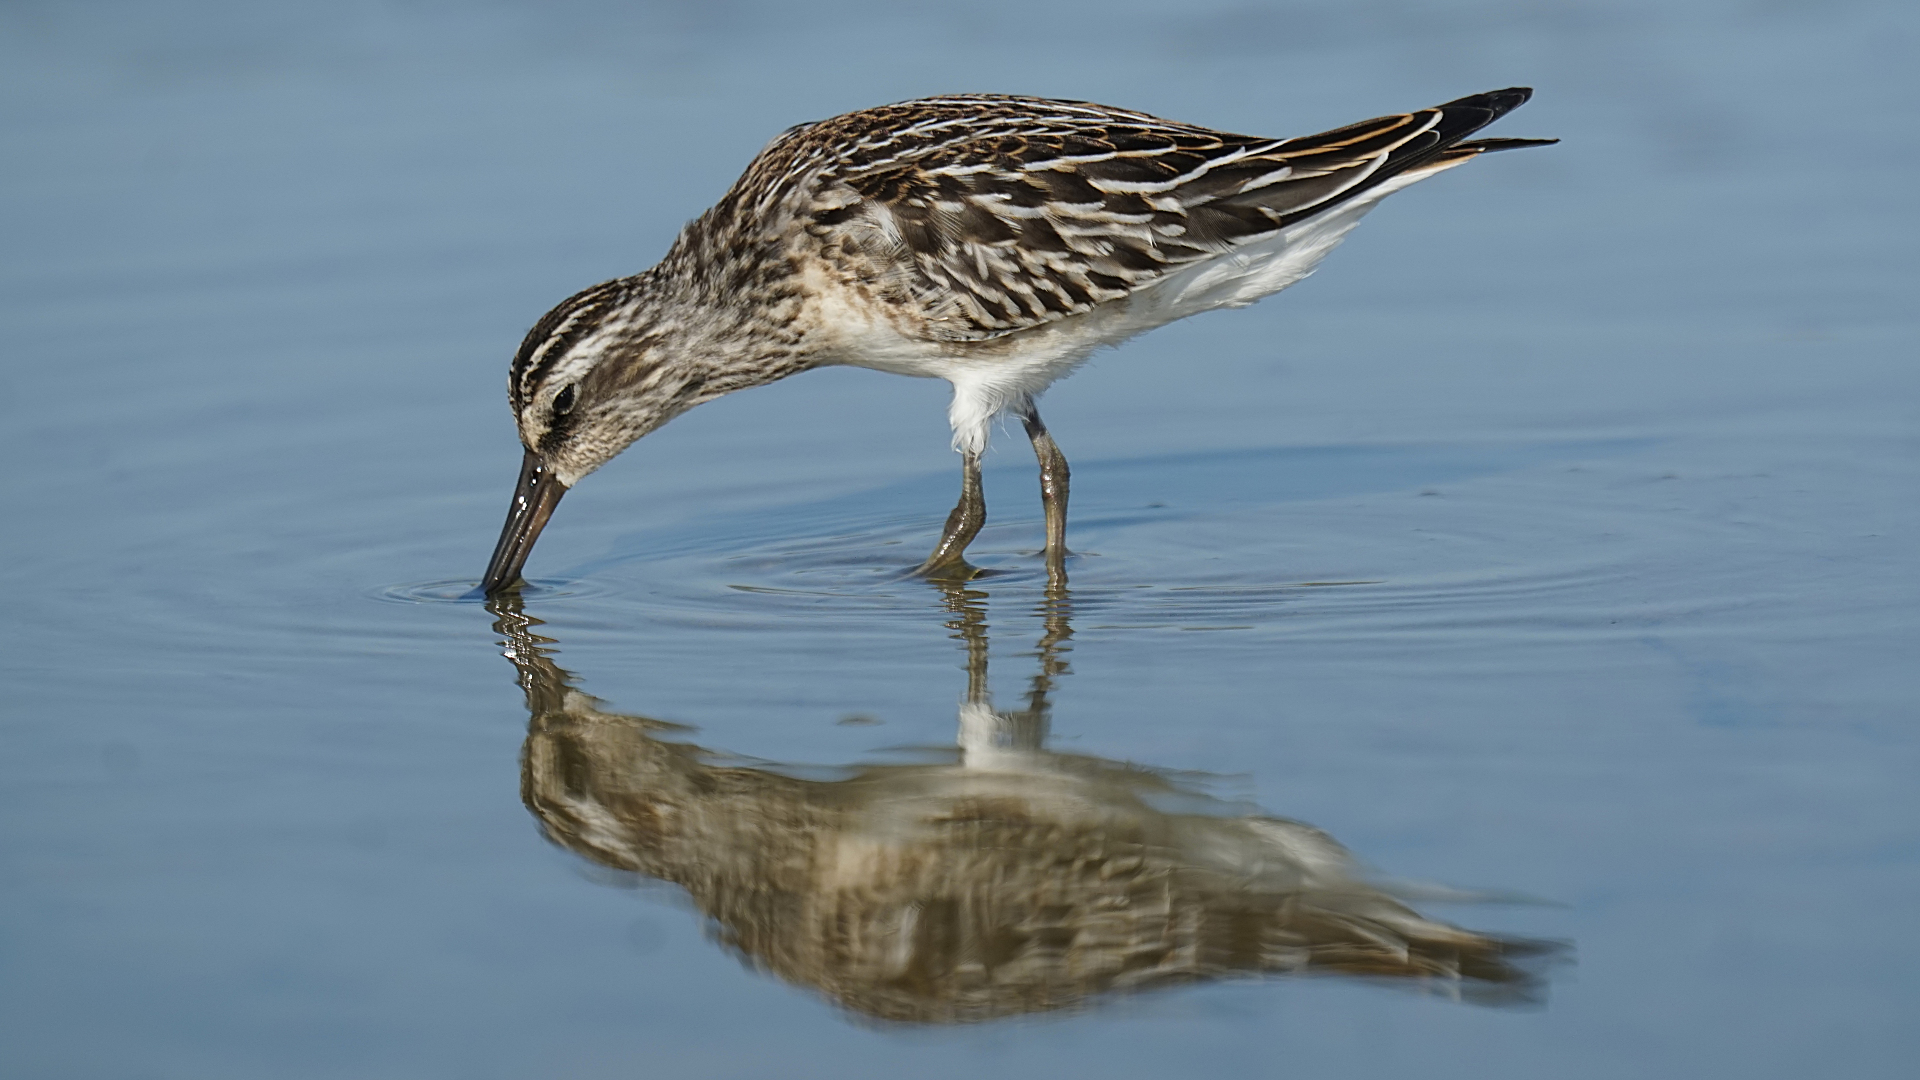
[991, 241]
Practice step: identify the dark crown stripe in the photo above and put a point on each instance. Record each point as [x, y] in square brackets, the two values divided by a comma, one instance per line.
[576, 315]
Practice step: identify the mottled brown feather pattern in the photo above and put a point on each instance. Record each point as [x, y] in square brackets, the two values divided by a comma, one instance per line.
[981, 216]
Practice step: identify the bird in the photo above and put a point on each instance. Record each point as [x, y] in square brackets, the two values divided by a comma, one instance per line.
[993, 241]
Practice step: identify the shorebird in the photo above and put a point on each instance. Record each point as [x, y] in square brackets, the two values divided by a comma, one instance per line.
[991, 241]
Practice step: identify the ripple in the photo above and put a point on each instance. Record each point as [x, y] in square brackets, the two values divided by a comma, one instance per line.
[1544, 558]
[465, 591]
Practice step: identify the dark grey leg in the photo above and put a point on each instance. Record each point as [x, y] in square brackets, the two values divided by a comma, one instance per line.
[949, 555]
[1053, 493]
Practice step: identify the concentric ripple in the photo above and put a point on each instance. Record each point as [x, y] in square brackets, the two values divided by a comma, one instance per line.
[1423, 544]
[467, 591]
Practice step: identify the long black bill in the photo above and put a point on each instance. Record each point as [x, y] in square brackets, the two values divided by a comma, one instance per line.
[534, 498]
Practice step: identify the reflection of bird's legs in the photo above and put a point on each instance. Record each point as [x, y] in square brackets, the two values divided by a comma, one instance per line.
[969, 624]
[1051, 650]
[1053, 492]
[982, 737]
[949, 558]
[983, 731]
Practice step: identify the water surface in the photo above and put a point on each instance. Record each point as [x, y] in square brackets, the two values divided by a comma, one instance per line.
[1493, 656]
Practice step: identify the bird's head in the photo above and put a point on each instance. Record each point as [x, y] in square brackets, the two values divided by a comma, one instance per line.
[605, 367]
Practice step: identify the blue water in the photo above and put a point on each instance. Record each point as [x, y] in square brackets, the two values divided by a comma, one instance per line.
[1550, 550]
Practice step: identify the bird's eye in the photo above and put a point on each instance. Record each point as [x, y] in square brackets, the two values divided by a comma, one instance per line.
[563, 401]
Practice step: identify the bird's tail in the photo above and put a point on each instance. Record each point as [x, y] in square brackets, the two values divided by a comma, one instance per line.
[1438, 145]
[1441, 146]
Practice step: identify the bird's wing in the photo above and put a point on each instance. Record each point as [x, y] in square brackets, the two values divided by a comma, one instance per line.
[992, 215]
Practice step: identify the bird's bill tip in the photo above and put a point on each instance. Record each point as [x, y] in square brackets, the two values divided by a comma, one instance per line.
[534, 498]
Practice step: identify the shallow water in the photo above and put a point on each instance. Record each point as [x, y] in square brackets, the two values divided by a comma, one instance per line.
[1548, 552]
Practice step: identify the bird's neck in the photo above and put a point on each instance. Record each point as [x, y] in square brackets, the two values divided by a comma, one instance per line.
[737, 301]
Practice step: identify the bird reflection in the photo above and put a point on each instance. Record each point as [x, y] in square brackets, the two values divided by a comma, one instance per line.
[1007, 879]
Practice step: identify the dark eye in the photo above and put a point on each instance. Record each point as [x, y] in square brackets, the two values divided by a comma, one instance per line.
[563, 401]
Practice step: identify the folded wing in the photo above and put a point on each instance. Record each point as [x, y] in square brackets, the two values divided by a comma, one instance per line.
[994, 215]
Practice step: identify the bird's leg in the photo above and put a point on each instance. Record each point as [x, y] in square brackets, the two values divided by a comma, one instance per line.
[1053, 494]
[949, 555]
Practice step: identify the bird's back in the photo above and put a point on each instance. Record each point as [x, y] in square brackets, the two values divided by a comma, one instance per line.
[979, 217]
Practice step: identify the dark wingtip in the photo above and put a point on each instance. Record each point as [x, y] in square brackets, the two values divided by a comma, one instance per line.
[1464, 116]
[1498, 102]
[1488, 146]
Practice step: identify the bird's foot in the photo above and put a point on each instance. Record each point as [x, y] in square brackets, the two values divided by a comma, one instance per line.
[949, 568]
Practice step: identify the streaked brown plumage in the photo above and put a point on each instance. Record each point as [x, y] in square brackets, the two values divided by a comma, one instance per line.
[991, 241]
